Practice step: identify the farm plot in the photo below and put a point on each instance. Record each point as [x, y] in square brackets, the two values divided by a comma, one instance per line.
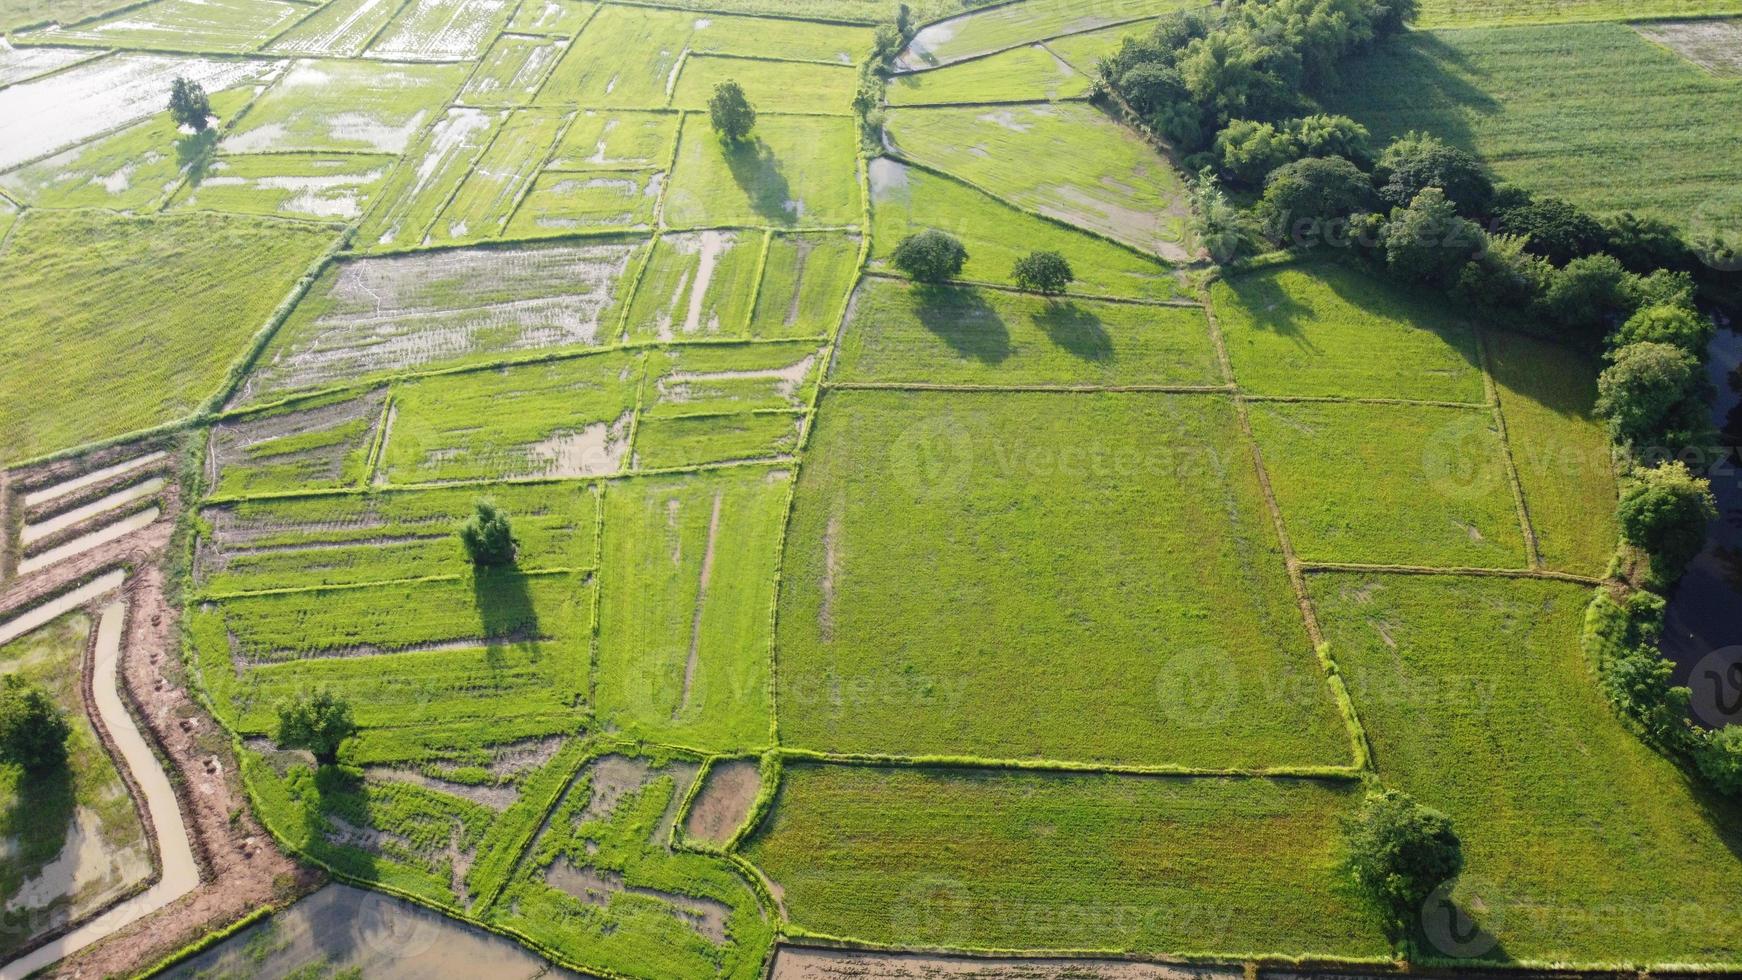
[617, 141]
[98, 301]
[323, 443]
[1011, 25]
[8, 216]
[1539, 103]
[447, 839]
[75, 843]
[502, 649]
[130, 170]
[61, 110]
[1561, 452]
[1067, 161]
[347, 539]
[216, 26]
[358, 106]
[1715, 45]
[382, 315]
[726, 379]
[486, 199]
[1026, 74]
[784, 86]
[341, 29]
[627, 57]
[1327, 330]
[552, 18]
[23, 64]
[1084, 51]
[1582, 846]
[567, 418]
[602, 886]
[805, 281]
[450, 30]
[684, 441]
[896, 635]
[563, 203]
[962, 335]
[798, 40]
[1482, 13]
[688, 580]
[513, 70]
[698, 284]
[906, 200]
[796, 171]
[428, 177]
[1391, 484]
[1127, 865]
[293, 185]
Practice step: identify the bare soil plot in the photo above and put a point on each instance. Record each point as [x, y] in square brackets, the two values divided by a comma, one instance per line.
[724, 801]
[442, 30]
[346, 105]
[385, 314]
[1715, 45]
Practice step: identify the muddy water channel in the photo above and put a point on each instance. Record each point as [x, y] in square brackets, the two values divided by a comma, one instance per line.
[1703, 631]
[341, 930]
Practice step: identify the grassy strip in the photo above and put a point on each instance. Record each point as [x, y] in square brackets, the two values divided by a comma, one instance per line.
[1531, 547]
[1466, 572]
[1065, 389]
[969, 762]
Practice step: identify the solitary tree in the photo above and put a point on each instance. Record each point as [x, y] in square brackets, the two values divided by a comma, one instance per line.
[1046, 273]
[930, 256]
[1665, 512]
[733, 115]
[1400, 851]
[188, 104]
[33, 733]
[316, 721]
[487, 537]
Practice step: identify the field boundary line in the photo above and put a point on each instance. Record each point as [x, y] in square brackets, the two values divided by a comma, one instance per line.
[1532, 548]
[1160, 770]
[567, 122]
[598, 604]
[635, 419]
[1004, 287]
[1063, 389]
[531, 241]
[756, 280]
[392, 19]
[549, 572]
[313, 9]
[378, 446]
[1031, 42]
[1360, 400]
[798, 936]
[740, 413]
[570, 44]
[1452, 571]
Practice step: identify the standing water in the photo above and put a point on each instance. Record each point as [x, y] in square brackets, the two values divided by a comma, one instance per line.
[1703, 629]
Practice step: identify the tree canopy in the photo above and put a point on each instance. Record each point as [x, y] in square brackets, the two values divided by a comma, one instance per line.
[1047, 273]
[33, 732]
[732, 114]
[188, 104]
[930, 256]
[317, 721]
[1400, 851]
[487, 535]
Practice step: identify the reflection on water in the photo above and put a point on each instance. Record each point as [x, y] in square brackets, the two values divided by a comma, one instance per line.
[1703, 631]
[345, 932]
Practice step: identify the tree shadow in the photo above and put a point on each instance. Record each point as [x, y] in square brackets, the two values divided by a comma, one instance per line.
[1076, 330]
[194, 153]
[1440, 96]
[757, 172]
[1449, 930]
[42, 815]
[1272, 309]
[506, 614]
[962, 318]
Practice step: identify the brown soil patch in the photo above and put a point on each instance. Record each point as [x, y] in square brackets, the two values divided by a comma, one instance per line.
[1715, 45]
[595, 887]
[725, 800]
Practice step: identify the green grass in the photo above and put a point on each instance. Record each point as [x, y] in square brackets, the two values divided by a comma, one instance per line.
[339, 29]
[796, 171]
[362, 106]
[219, 26]
[512, 71]
[562, 203]
[428, 176]
[1067, 161]
[617, 141]
[485, 202]
[960, 335]
[1084, 51]
[623, 59]
[795, 39]
[771, 86]
[805, 281]
[1391, 484]
[1124, 865]
[708, 379]
[670, 443]
[303, 542]
[696, 285]
[1026, 74]
[1483, 13]
[136, 318]
[38, 812]
[322, 443]
[1323, 329]
[649, 909]
[1540, 105]
[1561, 452]
[978, 574]
[906, 200]
[1013, 24]
[334, 188]
[564, 418]
[1582, 846]
[688, 580]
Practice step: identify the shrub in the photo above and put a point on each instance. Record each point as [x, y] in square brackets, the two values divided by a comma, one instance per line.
[1400, 851]
[1317, 189]
[1047, 273]
[1665, 511]
[1662, 287]
[1150, 86]
[930, 256]
[1504, 276]
[1643, 392]
[1584, 294]
[487, 536]
[1645, 244]
[1678, 326]
[733, 115]
[1325, 135]
[1720, 760]
[33, 732]
[1427, 242]
[1417, 161]
[1216, 223]
[887, 43]
[188, 104]
[1555, 229]
[318, 722]
[1248, 151]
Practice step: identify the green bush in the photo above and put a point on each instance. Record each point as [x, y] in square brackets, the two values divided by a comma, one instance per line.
[317, 721]
[731, 112]
[1417, 161]
[1427, 242]
[1317, 189]
[930, 256]
[1504, 276]
[1585, 293]
[1677, 326]
[487, 535]
[1047, 273]
[1645, 394]
[1555, 229]
[1247, 151]
[1665, 511]
[1720, 760]
[1399, 852]
[188, 104]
